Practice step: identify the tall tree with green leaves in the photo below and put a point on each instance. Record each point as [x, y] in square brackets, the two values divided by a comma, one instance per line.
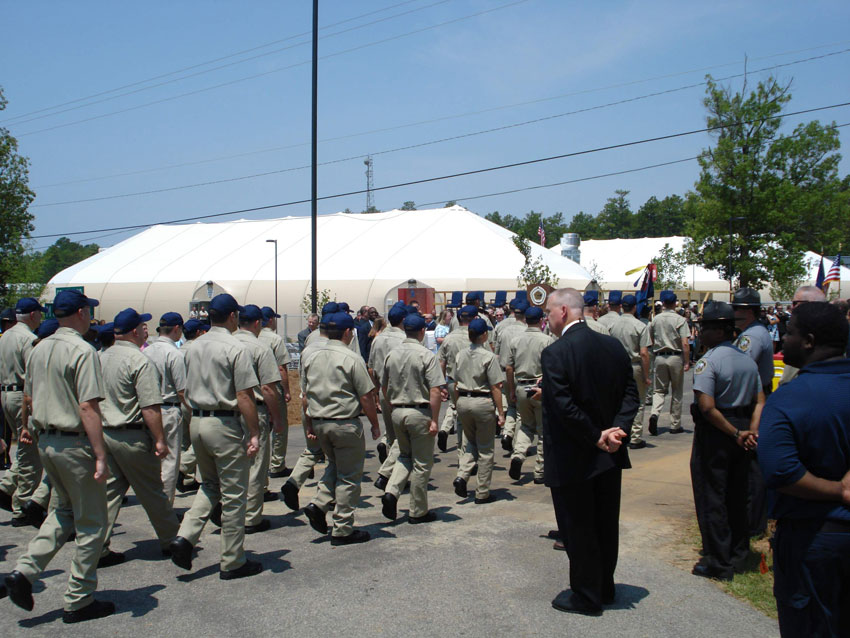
[527, 227]
[62, 254]
[616, 218]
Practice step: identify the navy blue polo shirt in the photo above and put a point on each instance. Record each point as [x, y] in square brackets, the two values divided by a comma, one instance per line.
[805, 425]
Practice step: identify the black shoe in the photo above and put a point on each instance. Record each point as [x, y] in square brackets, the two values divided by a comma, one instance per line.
[637, 446]
[709, 572]
[181, 552]
[487, 499]
[429, 517]
[382, 451]
[311, 474]
[554, 534]
[460, 487]
[453, 430]
[515, 472]
[474, 470]
[250, 568]
[653, 425]
[381, 482]
[678, 431]
[442, 438]
[539, 480]
[97, 609]
[183, 486]
[508, 443]
[357, 536]
[320, 457]
[35, 513]
[389, 506]
[559, 546]
[281, 473]
[262, 526]
[125, 500]
[215, 515]
[20, 590]
[111, 558]
[289, 495]
[5, 501]
[20, 521]
[316, 518]
[565, 601]
[3, 592]
[269, 496]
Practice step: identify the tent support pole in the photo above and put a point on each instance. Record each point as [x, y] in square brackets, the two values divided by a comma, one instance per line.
[314, 187]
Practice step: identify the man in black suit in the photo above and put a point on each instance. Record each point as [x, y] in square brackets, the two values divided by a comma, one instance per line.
[589, 402]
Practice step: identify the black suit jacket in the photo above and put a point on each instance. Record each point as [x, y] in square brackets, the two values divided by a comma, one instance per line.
[588, 387]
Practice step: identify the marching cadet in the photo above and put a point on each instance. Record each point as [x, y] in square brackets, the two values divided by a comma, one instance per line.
[171, 367]
[106, 337]
[390, 338]
[412, 386]
[355, 344]
[332, 307]
[133, 432]
[192, 329]
[503, 350]
[591, 312]
[63, 401]
[476, 298]
[22, 479]
[634, 335]
[336, 386]
[220, 383]
[280, 440]
[669, 333]
[505, 323]
[615, 299]
[454, 342]
[268, 401]
[524, 372]
[478, 383]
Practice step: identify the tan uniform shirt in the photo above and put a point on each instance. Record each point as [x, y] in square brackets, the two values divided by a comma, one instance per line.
[633, 334]
[410, 372]
[595, 325]
[609, 319]
[262, 360]
[131, 383]
[391, 337]
[217, 367]
[491, 338]
[507, 335]
[171, 367]
[477, 369]
[15, 347]
[497, 331]
[333, 379]
[354, 346]
[667, 331]
[454, 342]
[68, 374]
[524, 353]
[274, 341]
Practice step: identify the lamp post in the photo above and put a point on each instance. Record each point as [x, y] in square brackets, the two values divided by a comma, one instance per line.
[729, 271]
[274, 241]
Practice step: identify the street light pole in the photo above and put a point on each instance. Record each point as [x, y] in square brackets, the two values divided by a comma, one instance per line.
[274, 241]
[314, 163]
[729, 271]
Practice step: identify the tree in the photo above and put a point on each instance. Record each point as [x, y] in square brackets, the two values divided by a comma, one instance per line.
[616, 217]
[527, 227]
[324, 296]
[664, 218]
[450, 203]
[585, 225]
[15, 219]
[762, 196]
[671, 269]
[62, 254]
[534, 271]
[408, 206]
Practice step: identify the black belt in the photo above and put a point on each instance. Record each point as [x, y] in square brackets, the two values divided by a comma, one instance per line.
[196, 412]
[467, 393]
[168, 404]
[667, 353]
[260, 403]
[349, 419]
[62, 432]
[411, 405]
[526, 381]
[128, 426]
[828, 526]
[740, 412]
[12, 388]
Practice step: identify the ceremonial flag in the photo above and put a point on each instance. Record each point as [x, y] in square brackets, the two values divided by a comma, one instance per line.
[634, 270]
[819, 280]
[541, 233]
[647, 288]
[834, 273]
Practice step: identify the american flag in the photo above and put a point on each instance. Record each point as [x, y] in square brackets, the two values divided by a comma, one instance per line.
[542, 234]
[834, 273]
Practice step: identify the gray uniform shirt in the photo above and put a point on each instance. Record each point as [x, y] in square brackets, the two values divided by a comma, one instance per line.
[217, 367]
[131, 383]
[609, 319]
[477, 369]
[524, 353]
[262, 359]
[15, 347]
[595, 325]
[632, 333]
[728, 375]
[667, 331]
[333, 379]
[756, 343]
[170, 365]
[354, 346]
[490, 333]
[410, 372]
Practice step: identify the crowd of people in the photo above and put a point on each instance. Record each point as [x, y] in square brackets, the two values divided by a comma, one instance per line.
[100, 408]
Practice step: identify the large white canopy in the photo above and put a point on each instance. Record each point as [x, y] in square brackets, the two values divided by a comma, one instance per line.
[361, 259]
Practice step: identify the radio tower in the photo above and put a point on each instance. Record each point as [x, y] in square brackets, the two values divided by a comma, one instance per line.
[370, 197]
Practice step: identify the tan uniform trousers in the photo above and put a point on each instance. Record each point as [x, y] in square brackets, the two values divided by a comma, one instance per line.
[132, 463]
[80, 507]
[172, 427]
[512, 417]
[22, 479]
[531, 425]
[188, 464]
[345, 448]
[43, 495]
[258, 477]
[669, 371]
[220, 451]
[280, 442]
[387, 466]
[450, 418]
[637, 424]
[415, 458]
[307, 460]
[478, 418]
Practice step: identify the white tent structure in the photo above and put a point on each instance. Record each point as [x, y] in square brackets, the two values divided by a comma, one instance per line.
[362, 259]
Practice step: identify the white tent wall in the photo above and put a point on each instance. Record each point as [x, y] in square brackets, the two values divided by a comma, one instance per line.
[361, 258]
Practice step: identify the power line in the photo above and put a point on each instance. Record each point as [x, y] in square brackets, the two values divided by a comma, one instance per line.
[450, 176]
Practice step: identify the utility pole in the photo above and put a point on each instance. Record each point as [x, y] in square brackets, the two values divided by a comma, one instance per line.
[314, 162]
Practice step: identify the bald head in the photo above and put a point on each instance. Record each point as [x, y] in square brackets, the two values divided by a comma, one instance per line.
[809, 293]
[563, 306]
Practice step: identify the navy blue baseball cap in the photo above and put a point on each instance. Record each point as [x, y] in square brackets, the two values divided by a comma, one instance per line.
[534, 313]
[397, 313]
[224, 304]
[251, 312]
[170, 319]
[27, 305]
[513, 302]
[629, 300]
[521, 306]
[344, 307]
[414, 322]
[47, 328]
[107, 328]
[475, 295]
[128, 319]
[340, 321]
[468, 312]
[269, 314]
[330, 308]
[478, 326]
[591, 298]
[615, 297]
[8, 314]
[67, 302]
[667, 296]
[193, 325]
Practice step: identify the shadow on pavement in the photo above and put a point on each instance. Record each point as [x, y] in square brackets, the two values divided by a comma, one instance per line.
[191, 577]
[136, 602]
[628, 596]
[272, 562]
[4, 549]
[39, 586]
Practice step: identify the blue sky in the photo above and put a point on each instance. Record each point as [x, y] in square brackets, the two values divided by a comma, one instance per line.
[471, 65]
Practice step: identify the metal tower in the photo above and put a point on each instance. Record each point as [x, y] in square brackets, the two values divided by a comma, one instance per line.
[370, 197]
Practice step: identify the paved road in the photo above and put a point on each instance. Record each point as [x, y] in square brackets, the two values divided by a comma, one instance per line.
[481, 570]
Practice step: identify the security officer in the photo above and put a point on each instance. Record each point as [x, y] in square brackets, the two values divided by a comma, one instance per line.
[268, 401]
[192, 329]
[608, 320]
[168, 361]
[634, 335]
[390, 338]
[336, 386]
[454, 342]
[524, 371]
[669, 333]
[21, 480]
[591, 312]
[411, 383]
[727, 406]
[220, 383]
[63, 400]
[280, 439]
[478, 383]
[133, 432]
[503, 350]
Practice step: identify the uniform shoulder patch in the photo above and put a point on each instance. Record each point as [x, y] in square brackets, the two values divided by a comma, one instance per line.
[743, 343]
[699, 368]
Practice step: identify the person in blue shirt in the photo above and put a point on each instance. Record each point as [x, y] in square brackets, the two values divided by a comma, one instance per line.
[804, 452]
